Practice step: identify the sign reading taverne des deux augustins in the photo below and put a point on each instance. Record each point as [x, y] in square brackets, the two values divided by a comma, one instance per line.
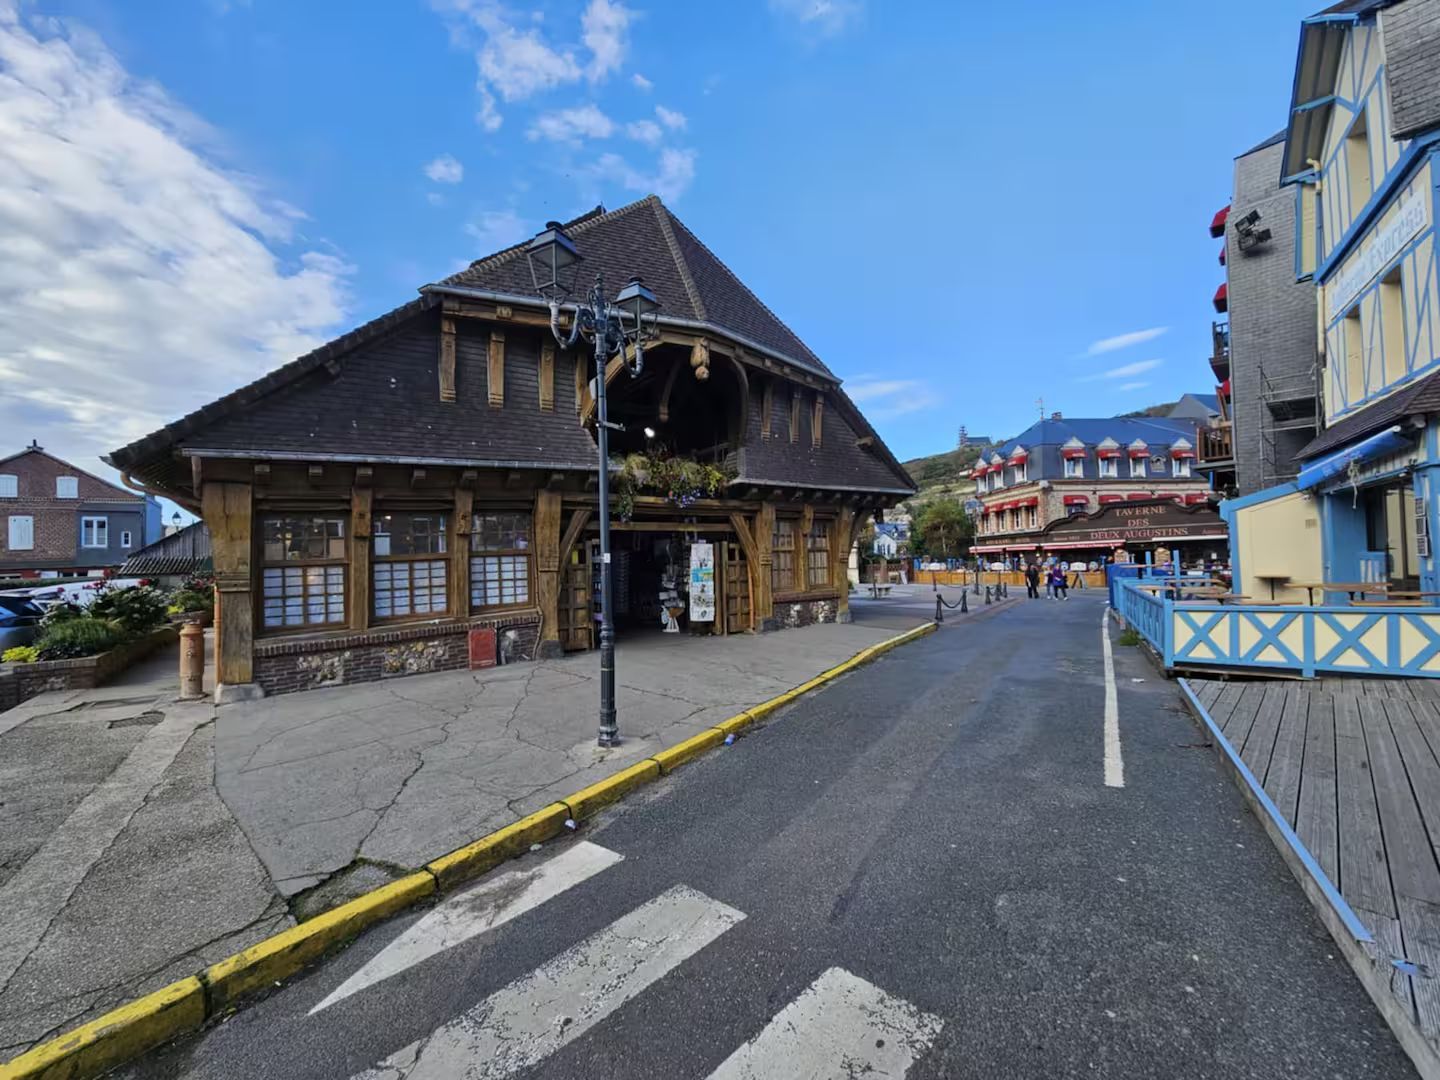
[1135, 523]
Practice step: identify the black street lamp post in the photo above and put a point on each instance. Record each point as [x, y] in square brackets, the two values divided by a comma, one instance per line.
[613, 326]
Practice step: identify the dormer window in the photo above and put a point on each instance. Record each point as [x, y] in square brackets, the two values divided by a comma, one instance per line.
[1108, 456]
[1181, 456]
[1073, 455]
[1138, 453]
[1020, 462]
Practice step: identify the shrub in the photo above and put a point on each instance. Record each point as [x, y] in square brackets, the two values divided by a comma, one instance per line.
[1129, 636]
[188, 599]
[134, 611]
[20, 654]
[59, 613]
[84, 636]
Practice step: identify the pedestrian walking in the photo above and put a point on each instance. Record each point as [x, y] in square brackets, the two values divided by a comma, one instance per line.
[1032, 581]
[1048, 572]
[1057, 575]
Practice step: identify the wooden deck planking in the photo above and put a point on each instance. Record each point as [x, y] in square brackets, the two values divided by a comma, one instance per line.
[1259, 741]
[1225, 703]
[1420, 929]
[1364, 876]
[1391, 942]
[1242, 717]
[1206, 691]
[1282, 778]
[1422, 771]
[1316, 822]
[1407, 847]
[1427, 715]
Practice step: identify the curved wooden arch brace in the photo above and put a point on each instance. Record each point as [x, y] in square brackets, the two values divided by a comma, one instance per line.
[665, 392]
[743, 420]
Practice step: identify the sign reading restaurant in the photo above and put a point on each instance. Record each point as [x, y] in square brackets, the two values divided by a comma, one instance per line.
[1411, 218]
[1135, 523]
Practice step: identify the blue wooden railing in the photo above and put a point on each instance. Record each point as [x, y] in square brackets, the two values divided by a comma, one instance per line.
[1328, 638]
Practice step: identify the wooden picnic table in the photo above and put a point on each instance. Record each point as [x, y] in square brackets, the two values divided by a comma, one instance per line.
[1348, 587]
[1272, 579]
[1390, 602]
[1410, 594]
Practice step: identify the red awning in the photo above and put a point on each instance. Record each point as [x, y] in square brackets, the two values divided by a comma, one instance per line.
[1108, 452]
[1072, 452]
[1077, 500]
[1225, 388]
[977, 473]
[1217, 223]
[1221, 299]
[1170, 495]
[1032, 501]
[1139, 451]
[1019, 457]
[1197, 497]
[1181, 452]
[1222, 256]
[1111, 499]
[1138, 495]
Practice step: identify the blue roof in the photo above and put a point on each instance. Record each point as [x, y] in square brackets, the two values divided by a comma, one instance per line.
[1153, 430]
[1210, 401]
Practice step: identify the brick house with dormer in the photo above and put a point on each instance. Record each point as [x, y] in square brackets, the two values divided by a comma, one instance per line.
[58, 520]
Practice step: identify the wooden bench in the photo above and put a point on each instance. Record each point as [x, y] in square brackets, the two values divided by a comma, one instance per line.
[1390, 603]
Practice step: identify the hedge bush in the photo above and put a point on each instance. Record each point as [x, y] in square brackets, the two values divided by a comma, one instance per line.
[85, 636]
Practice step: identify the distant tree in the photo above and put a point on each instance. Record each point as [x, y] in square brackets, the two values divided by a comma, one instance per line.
[941, 529]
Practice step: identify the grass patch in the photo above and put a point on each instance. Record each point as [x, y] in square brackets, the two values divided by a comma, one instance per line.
[1129, 636]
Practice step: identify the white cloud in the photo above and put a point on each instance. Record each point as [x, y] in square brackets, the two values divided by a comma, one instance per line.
[572, 125]
[496, 230]
[1124, 341]
[674, 172]
[1139, 367]
[139, 277]
[673, 120]
[888, 398]
[824, 17]
[641, 83]
[604, 27]
[434, 198]
[488, 116]
[516, 62]
[1133, 385]
[646, 131]
[445, 170]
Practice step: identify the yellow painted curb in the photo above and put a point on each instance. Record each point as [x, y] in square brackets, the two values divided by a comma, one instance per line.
[490, 851]
[116, 1037]
[287, 952]
[672, 757]
[184, 1006]
[585, 802]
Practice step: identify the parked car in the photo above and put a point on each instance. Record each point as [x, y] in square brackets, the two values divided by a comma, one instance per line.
[19, 620]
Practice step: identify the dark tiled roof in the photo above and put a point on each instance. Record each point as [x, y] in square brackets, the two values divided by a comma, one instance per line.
[1278, 137]
[136, 452]
[183, 552]
[1420, 397]
[645, 238]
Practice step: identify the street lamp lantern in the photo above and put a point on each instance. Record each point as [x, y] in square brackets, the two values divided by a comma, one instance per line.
[554, 262]
[611, 326]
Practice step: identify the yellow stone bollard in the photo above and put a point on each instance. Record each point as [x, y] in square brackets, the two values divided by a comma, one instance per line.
[192, 660]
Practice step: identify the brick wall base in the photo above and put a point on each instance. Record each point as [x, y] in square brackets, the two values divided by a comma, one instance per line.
[802, 613]
[285, 666]
[21, 682]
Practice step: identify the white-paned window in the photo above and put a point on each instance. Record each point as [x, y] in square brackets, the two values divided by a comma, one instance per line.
[409, 580]
[500, 560]
[125, 538]
[1109, 468]
[9, 486]
[67, 487]
[21, 533]
[302, 577]
[1180, 467]
[1137, 468]
[1074, 468]
[1022, 472]
[94, 532]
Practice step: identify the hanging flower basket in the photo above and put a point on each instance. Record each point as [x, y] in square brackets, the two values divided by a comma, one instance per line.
[680, 480]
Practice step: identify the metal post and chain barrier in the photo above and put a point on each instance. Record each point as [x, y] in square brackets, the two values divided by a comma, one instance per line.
[941, 604]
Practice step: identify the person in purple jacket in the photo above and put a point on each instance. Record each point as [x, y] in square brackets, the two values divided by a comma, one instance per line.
[1057, 582]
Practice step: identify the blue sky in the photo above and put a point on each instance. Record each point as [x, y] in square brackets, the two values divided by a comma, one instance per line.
[960, 208]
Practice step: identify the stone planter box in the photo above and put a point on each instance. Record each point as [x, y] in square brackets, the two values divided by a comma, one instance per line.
[20, 682]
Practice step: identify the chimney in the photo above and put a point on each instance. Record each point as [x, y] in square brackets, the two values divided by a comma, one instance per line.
[1056, 416]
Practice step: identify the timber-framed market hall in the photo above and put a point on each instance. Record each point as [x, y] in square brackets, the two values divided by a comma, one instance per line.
[434, 473]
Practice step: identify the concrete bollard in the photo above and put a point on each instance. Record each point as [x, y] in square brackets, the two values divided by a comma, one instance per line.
[987, 594]
[964, 607]
[939, 615]
[192, 660]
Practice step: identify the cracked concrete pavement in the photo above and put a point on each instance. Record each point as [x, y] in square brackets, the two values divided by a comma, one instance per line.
[386, 776]
[142, 838]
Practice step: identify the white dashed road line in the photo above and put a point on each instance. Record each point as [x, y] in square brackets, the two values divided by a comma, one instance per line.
[1114, 763]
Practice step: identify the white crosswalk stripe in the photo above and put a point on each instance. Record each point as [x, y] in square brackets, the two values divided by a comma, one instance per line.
[490, 904]
[840, 1027]
[537, 1014]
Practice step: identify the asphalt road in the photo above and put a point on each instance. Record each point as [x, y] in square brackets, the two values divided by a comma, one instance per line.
[918, 867]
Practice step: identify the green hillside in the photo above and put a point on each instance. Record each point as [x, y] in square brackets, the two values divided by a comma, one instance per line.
[944, 473]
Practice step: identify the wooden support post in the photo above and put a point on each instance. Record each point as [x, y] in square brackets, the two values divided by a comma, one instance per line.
[459, 541]
[757, 560]
[764, 536]
[802, 548]
[767, 407]
[357, 600]
[447, 358]
[496, 373]
[547, 375]
[547, 570]
[840, 541]
[228, 509]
